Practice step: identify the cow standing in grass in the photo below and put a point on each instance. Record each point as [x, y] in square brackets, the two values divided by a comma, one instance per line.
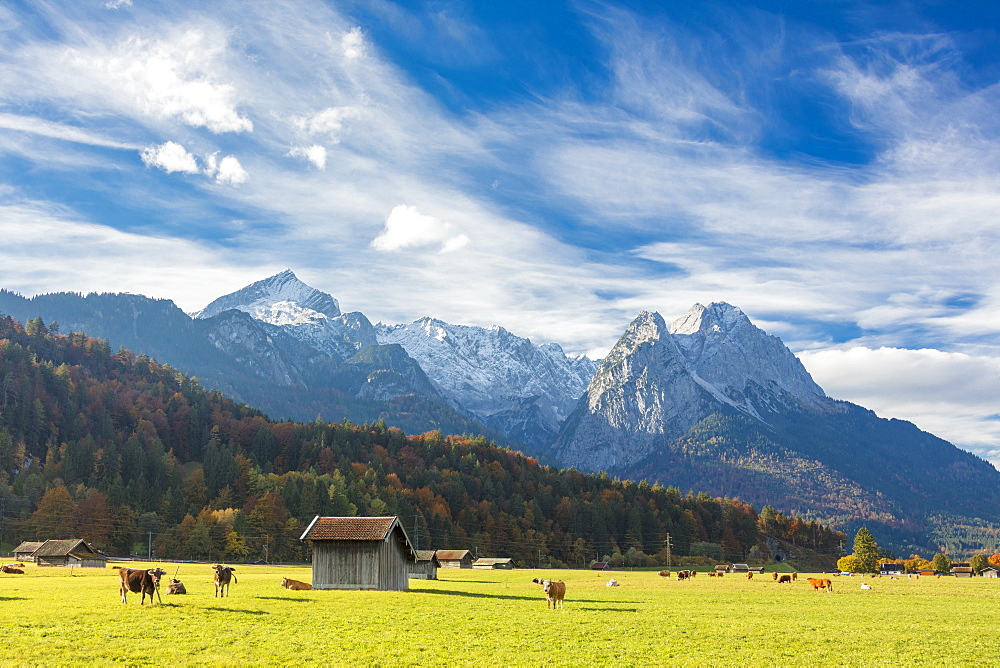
[223, 575]
[555, 592]
[140, 581]
[821, 583]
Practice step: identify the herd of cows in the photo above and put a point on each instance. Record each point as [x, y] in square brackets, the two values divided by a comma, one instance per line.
[146, 582]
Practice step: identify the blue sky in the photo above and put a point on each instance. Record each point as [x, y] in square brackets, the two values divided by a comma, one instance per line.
[832, 168]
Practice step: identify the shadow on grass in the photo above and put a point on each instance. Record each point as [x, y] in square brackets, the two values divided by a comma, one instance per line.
[294, 599]
[245, 612]
[470, 594]
[611, 609]
[12, 598]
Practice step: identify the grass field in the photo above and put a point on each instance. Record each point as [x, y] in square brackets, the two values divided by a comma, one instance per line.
[477, 618]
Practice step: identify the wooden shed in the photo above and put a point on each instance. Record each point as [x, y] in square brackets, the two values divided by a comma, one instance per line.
[722, 568]
[74, 552]
[738, 568]
[360, 553]
[426, 566]
[962, 571]
[990, 572]
[600, 566]
[455, 558]
[491, 563]
[25, 550]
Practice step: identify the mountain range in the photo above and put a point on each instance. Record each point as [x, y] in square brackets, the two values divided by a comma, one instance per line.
[710, 402]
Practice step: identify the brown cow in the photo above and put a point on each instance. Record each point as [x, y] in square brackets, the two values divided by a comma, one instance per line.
[555, 592]
[749, 575]
[795, 576]
[295, 585]
[774, 576]
[664, 574]
[785, 578]
[176, 587]
[223, 574]
[140, 581]
[821, 583]
[11, 569]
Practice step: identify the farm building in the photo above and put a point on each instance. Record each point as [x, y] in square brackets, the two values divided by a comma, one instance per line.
[600, 566]
[722, 568]
[739, 568]
[24, 551]
[74, 552]
[895, 569]
[493, 563]
[455, 558]
[426, 565]
[962, 571]
[360, 553]
[757, 570]
[990, 572]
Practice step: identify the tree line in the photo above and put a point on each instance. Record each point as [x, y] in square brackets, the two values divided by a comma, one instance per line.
[136, 457]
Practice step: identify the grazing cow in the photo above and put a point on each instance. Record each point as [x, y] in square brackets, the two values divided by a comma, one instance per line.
[684, 575]
[664, 574]
[140, 581]
[821, 583]
[749, 576]
[295, 585]
[774, 576]
[223, 575]
[612, 583]
[176, 587]
[795, 576]
[555, 592]
[785, 578]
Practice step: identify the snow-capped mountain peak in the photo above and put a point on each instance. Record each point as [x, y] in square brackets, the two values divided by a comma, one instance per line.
[281, 299]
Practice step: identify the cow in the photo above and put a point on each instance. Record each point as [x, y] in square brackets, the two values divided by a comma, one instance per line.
[295, 585]
[664, 574]
[684, 575]
[223, 574]
[612, 583]
[821, 583]
[555, 592]
[785, 578]
[11, 569]
[140, 581]
[774, 576]
[749, 575]
[176, 587]
[866, 586]
[795, 576]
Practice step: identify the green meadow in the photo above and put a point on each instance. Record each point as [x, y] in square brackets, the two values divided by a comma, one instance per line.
[54, 616]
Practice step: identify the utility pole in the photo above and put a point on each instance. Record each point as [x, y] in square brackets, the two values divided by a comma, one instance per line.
[149, 547]
[666, 544]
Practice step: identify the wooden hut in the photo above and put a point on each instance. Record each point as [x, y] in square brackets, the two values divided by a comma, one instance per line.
[25, 550]
[490, 563]
[426, 566]
[600, 566]
[722, 568]
[739, 568]
[455, 558]
[360, 553]
[962, 571]
[74, 552]
[990, 572]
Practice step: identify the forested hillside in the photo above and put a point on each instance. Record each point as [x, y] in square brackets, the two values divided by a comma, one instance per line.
[126, 452]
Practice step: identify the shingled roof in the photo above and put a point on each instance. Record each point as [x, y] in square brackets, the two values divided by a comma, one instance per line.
[28, 546]
[62, 548]
[349, 528]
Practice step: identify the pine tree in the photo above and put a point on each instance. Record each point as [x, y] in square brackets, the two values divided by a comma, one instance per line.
[866, 551]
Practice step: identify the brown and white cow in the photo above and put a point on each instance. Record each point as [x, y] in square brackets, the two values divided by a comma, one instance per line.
[821, 583]
[555, 592]
[140, 581]
[176, 587]
[295, 585]
[223, 575]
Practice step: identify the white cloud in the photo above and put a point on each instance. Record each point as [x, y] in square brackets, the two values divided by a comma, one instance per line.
[226, 171]
[353, 43]
[42, 127]
[328, 122]
[170, 157]
[117, 4]
[952, 395]
[315, 154]
[408, 228]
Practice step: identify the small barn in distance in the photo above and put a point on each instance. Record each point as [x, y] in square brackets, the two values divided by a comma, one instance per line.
[990, 572]
[24, 551]
[74, 552]
[360, 553]
[600, 566]
[426, 565]
[455, 558]
[494, 563]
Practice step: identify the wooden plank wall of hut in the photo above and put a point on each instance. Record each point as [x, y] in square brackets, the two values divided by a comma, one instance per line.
[345, 564]
[394, 565]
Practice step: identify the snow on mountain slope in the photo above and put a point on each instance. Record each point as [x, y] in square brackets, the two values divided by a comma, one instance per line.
[305, 313]
[491, 372]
